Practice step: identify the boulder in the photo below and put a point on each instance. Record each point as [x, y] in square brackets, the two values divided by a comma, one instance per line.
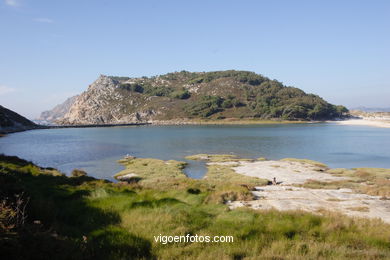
[129, 178]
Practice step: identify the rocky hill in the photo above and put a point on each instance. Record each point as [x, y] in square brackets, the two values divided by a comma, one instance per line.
[58, 111]
[13, 122]
[192, 95]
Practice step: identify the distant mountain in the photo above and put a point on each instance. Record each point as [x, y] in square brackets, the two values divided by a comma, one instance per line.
[57, 112]
[13, 122]
[191, 95]
[372, 109]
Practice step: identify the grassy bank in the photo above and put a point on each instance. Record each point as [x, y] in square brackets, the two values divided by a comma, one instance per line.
[46, 215]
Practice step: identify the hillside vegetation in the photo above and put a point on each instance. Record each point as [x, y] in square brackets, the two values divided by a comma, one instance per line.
[11, 121]
[46, 215]
[194, 95]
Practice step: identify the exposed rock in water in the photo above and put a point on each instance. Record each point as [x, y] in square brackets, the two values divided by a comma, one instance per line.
[11, 121]
[191, 95]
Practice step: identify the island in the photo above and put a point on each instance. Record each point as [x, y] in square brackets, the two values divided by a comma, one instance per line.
[191, 97]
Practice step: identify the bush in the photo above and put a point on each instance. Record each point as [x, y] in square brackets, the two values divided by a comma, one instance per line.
[132, 87]
[160, 91]
[205, 107]
[181, 94]
[193, 191]
[78, 173]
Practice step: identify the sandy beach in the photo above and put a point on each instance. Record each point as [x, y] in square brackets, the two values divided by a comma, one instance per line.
[364, 122]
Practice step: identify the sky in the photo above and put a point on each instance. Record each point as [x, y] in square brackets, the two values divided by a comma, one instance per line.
[51, 50]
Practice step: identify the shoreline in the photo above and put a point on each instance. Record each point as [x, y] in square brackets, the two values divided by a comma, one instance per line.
[354, 121]
[364, 122]
[193, 122]
[165, 123]
[4, 132]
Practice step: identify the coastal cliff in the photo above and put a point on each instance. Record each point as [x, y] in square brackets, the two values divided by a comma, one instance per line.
[184, 95]
[58, 111]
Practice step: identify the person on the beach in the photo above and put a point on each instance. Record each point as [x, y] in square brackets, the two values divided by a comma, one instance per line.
[274, 181]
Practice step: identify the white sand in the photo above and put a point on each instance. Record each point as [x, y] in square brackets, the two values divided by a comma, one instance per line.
[287, 197]
[365, 122]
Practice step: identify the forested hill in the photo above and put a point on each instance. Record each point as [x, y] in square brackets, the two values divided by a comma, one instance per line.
[194, 95]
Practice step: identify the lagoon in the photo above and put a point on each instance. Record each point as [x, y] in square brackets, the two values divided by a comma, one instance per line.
[97, 149]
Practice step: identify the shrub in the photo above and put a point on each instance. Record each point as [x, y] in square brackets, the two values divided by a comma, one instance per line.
[193, 191]
[205, 107]
[132, 87]
[160, 91]
[78, 173]
[181, 94]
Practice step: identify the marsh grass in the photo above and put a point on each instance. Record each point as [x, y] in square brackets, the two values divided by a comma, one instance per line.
[156, 173]
[371, 181]
[361, 209]
[213, 157]
[306, 161]
[228, 185]
[221, 182]
[85, 218]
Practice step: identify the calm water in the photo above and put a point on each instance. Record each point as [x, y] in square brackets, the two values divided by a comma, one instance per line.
[97, 149]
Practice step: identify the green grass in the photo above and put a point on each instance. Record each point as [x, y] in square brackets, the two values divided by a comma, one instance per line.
[154, 171]
[230, 186]
[85, 218]
[221, 183]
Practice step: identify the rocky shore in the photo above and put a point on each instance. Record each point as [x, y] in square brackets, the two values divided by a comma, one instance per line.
[332, 190]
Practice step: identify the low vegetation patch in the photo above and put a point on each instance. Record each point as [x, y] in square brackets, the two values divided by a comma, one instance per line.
[216, 158]
[307, 161]
[155, 173]
[361, 209]
[213, 157]
[371, 181]
[85, 218]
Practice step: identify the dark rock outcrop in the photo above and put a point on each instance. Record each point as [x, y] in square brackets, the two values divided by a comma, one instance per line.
[11, 121]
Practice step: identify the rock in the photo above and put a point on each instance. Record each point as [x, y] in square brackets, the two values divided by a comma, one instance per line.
[129, 178]
[130, 157]
[58, 111]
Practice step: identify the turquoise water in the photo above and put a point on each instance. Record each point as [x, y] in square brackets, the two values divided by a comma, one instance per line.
[97, 149]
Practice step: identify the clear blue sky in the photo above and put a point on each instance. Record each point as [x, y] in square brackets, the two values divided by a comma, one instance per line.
[50, 50]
